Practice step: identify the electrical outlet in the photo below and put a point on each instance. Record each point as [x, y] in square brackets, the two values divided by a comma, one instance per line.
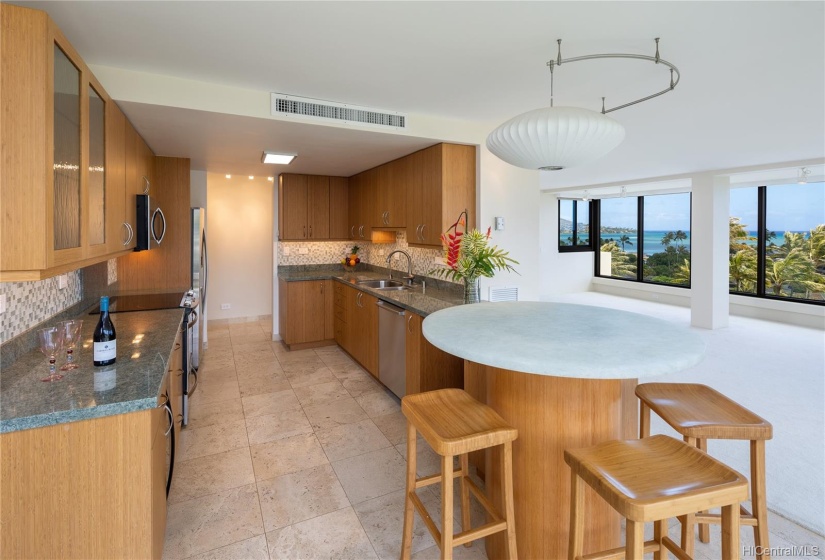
[2, 303]
[62, 282]
[303, 251]
[380, 252]
[286, 251]
[226, 306]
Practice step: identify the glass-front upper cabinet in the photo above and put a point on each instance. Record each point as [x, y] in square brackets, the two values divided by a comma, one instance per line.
[67, 142]
[97, 171]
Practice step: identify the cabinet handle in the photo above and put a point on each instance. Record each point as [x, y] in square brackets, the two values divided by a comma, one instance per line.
[146, 185]
[423, 236]
[128, 235]
[409, 325]
[310, 231]
[305, 231]
[352, 231]
[361, 231]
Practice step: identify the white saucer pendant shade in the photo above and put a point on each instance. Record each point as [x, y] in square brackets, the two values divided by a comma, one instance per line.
[555, 138]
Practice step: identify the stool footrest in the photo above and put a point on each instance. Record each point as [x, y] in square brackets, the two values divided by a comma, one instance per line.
[619, 552]
[425, 516]
[479, 532]
[675, 549]
[745, 518]
[482, 499]
[434, 479]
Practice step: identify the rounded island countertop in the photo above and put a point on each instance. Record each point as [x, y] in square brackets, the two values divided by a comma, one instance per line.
[564, 340]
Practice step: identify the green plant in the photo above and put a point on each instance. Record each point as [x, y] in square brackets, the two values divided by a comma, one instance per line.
[468, 254]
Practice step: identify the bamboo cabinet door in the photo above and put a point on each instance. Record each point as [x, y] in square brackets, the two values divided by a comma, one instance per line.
[394, 193]
[314, 310]
[338, 208]
[329, 310]
[118, 232]
[317, 207]
[293, 207]
[413, 174]
[431, 207]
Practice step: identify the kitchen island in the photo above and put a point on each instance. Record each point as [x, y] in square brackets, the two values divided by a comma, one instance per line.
[563, 375]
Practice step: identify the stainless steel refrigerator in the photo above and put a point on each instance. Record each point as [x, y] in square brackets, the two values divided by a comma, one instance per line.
[194, 304]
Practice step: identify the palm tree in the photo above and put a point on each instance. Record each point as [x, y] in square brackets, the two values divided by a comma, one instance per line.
[738, 235]
[622, 265]
[667, 239]
[682, 274]
[624, 239]
[680, 236]
[795, 270]
[816, 246]
[743, 269]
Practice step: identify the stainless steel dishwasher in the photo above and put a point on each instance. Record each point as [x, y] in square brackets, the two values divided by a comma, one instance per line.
[392, 348]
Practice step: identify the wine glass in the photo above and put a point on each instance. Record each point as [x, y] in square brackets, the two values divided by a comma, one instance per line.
[71, 332]
[51, 342]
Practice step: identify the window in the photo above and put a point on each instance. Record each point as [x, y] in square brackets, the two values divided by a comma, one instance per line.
[645, 239]
[777, 242]
[574, 226]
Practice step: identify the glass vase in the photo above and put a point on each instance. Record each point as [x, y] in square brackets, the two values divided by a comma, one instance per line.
[471, 290]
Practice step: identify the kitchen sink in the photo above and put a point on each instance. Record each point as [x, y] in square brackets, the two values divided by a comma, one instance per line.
[384, 285]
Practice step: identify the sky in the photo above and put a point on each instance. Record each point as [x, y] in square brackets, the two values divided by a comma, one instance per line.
[790, 208]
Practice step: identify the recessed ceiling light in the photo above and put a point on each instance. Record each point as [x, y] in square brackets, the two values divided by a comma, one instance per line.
[278, 159]
[228, 176]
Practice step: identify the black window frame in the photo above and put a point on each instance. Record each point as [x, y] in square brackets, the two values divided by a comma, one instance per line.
[761, 255]
[640, 222]
[575, 248]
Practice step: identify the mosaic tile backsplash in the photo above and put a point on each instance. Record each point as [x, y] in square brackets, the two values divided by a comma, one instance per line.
[320, 252]
[30, 303]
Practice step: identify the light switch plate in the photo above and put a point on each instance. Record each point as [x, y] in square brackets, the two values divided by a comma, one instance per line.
[2, 303]
[286, 251]
[226, 306]
[62, 282]
[303, 251]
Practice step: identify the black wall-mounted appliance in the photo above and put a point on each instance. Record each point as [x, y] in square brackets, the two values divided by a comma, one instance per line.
[151, 224]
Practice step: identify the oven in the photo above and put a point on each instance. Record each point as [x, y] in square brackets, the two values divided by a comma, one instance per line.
[191, 305]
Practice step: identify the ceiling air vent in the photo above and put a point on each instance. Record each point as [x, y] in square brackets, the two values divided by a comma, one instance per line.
[304, 107]
[503, 293]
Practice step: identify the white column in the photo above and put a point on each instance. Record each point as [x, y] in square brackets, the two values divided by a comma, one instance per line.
[709, 243]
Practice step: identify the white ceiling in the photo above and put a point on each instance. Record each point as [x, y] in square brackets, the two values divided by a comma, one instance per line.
[752, 91]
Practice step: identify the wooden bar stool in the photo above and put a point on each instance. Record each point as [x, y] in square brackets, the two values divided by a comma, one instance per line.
[454, 423]
[700, 413]
[653, 479]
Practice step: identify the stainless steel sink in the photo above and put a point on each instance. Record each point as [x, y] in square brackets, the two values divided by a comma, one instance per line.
[383, 285]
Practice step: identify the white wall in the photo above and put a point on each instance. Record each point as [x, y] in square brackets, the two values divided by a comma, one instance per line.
[561, 273]
[240, 246]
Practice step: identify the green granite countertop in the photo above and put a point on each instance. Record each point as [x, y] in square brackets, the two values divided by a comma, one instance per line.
[144, 343]
[435, 296]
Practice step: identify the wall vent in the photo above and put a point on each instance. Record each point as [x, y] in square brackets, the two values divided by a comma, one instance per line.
[318, 109]
[503, 293]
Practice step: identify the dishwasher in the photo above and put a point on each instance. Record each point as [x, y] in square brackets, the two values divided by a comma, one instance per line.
[392, 348]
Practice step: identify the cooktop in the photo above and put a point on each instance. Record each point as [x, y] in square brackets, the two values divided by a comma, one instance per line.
[141, 302]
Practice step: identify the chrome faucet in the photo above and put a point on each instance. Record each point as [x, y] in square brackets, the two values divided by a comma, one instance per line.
[409, 277]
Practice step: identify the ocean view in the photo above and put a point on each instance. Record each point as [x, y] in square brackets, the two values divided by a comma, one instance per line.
[653, 240]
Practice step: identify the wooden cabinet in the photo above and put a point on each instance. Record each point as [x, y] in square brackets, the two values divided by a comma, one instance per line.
[356, 326]
[88, 489]
[306, 205]
[447, 188]
[305, 312]
[57, 198]
[362, 189]
[390, 196]
[429, 368]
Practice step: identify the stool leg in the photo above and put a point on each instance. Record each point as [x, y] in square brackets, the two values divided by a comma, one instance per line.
[730, 532]
[659, 532]
[687, 522]
[758, 497]
[635, 540]
[446, 507]
[507, 499]
[465, 496]
[644, 420]
[575, 546]
[704, 528]
[409, 519]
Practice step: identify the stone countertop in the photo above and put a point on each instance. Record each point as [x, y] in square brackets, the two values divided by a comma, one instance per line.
[564, 340]
[145, 340]
[422, 301]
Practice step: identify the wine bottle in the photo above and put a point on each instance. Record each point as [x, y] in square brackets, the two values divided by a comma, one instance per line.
[104, 338]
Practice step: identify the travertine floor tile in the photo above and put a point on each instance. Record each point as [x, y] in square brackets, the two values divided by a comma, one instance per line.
[216, 389]
[251, 386]
[341, 442]
[371, 475]
[259, 369]
[475, 552]
[314, 377]
[383, 521]
[393, 426]
[378, 403]
[271, 427]
[342, 371]
[250, 347]
[202, 415]
[322, 393]
[335, 413]
[336, 535]
[362, 386]
[284, 456]
[270, 403]
[249, 335]
[254, 359]
[302, 495]
[298, 355]
[249, 549]
[302, 367]
[211, 522]
[427, 461]
[217, 438]
[210, 474]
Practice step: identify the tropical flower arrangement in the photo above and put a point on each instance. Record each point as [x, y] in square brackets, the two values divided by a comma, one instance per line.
[468, 256]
